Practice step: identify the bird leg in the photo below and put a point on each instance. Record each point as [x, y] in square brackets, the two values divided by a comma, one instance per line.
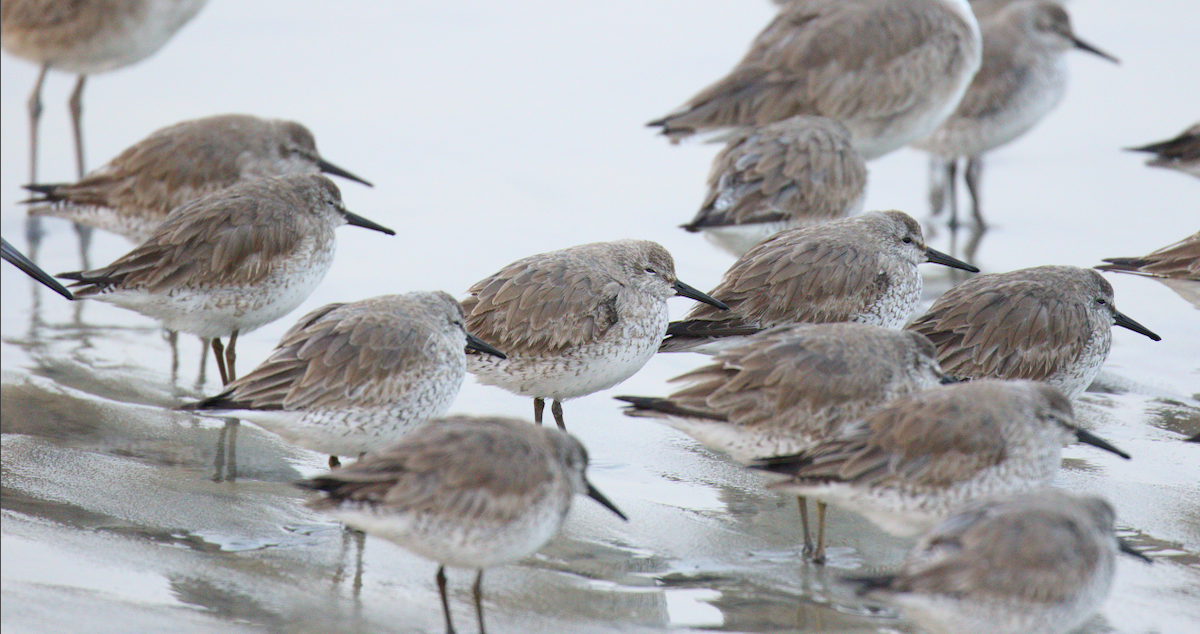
[441, 583]
[231, 356]
[952, 192]
[219, 353]
[35, 114]
[974, 173]
[556, 409]
[539, 405]
[819, 555]
[76, 104]
[478, 588]
[808, 543]
[938, 167]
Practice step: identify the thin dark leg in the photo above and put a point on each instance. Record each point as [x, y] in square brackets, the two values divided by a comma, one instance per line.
[479, 599]
[819, 555]
[219, 353]
[808, 543]
[35, 115]
[334, 462]
[76, 104]
[231, 356]
[441, 583]
[974, 173]
[172, 337]
[539, 405]
[556, 409]
[952, 192]
[938, 167]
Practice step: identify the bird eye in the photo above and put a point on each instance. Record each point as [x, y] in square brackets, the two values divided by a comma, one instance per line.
[651, 271]
[1101, 301]
[907, 239]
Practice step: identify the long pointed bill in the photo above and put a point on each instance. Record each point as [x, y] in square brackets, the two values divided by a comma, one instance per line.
[477, 344]
[330, 168]
[19, 260]
[596, 495]
[1128, 549]
[691, 293]
[359, 221]
[1125, 322]
[1084, 46]
[1089, 438]
[937, 257]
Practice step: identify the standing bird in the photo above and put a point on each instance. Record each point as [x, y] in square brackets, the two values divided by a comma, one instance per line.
[797, 172]
[231, 261]
[1040, 562]
[348, 378]
[921, 458]
[574, 321]
[18, 259]
[85, 37]
[464, 492]
[1046, 323]
[1181, 153]
[1023, 78]
[782, 390]
[862, 269]
[134, 192]
[889, 70]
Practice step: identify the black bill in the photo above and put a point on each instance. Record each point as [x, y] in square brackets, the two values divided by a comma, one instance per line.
[1084, 46]
[1125, 322]
[937, 257]
[1088, 438]
[18, 259]
[691, 293]
[596, 495]
[477, 344]
[359, 221]
[330, 168]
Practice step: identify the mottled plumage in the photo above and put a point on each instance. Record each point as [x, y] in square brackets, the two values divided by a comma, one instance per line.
[1047, 323]
[861, 269]
[922, 457]
[782, 390]
[574, 321]
[231, 261]
[889, 71]
[1179, 261]
[86, 37]
[1023, 77]
[793, 173]
[348, 378]
[1181, 153]
[464, 492]
[134, 192]
[1035, 563]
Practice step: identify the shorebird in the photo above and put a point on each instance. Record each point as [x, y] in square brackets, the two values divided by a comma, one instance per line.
[1181, 153]
[134, 192]
[793, 173]
[922, 457]
[464, 492]
[1040, 562]
[351, 377]
[862, 269]
[1047, 323]
[782, 390]
[889, 70]
[231, 261]
[1022, 79]
[1180, 261]
[85, 37]
[574, 321]
[18, 259]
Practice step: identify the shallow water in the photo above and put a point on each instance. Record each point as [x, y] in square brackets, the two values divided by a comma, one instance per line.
[493, 131]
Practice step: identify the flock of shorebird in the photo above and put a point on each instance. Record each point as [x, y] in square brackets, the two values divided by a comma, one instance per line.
[950, 427]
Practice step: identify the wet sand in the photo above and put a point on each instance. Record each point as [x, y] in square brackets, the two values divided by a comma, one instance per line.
[493, 132]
